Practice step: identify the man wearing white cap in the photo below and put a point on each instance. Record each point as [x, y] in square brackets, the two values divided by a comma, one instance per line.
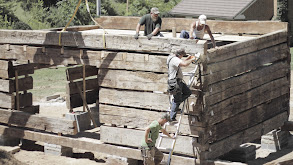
[198, 29]
[152, 24]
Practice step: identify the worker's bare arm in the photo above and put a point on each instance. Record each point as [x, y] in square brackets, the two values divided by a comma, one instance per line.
[146, 136]
[166, 133]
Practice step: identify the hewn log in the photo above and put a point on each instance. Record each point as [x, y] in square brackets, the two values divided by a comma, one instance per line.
[133, 117]
[75, 100]
[222, 70]
[248, 135]
[72, 87]
[93, 40]
[249, 118]
[235, 27]
[27, 120]
[87, 144]
[24, 84]
[9, 100]
[132, 137]
[77, 73]
[238, 84]
[252, 98]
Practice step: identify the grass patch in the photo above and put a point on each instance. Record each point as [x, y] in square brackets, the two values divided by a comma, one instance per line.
[48, 82]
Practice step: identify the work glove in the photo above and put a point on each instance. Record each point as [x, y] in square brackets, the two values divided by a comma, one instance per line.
[150, 36]
[136, 36]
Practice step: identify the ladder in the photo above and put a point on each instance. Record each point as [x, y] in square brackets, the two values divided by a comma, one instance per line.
[192, 76]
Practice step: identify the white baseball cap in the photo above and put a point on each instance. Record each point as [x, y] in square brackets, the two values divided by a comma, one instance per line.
[202, 19]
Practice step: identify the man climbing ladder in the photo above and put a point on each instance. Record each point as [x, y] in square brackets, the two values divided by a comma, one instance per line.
[176, 86]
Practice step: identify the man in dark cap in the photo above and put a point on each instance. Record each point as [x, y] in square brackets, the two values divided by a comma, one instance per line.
[152, 24]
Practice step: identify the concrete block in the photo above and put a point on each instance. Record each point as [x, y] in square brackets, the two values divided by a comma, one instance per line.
[275, 140]
[82, 120]
[58, 150]
[9, 141]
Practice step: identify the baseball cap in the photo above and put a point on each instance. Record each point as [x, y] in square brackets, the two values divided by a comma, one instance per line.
[166, 116]
[202, 19]
[155, 10]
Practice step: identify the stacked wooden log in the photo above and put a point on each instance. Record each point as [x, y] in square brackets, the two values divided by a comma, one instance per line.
[15, 81]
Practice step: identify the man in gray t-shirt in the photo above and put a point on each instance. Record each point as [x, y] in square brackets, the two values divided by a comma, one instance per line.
[152, 23]
[175, 62]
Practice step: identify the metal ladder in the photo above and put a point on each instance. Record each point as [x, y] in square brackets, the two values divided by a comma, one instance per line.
[192, 76]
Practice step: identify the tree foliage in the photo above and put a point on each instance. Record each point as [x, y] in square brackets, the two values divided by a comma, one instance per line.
[44, 14]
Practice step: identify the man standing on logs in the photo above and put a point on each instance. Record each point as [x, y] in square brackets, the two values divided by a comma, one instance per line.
[151, 155]
[152, 24]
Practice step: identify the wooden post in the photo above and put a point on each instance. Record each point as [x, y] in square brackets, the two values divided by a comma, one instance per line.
[174, 32]
[16, 90]
[84, 88]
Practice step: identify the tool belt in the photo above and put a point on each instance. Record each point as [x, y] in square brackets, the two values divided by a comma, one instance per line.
[173, 86]
[143, 151]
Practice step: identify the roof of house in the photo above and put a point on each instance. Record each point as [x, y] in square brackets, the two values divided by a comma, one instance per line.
[225, 9]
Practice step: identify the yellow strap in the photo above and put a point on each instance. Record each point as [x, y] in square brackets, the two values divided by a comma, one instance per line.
[76, 9]
[88, 9]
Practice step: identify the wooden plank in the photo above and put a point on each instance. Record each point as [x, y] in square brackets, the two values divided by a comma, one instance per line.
[124, 136]
[288, 126]
[235, 27]
[145, 81]
[8, 86]
[9, 100]
[86, 144]
[91, 84]
[244, 64]
[219, 148]
[23, 69]
[77, 28]
[274, 71]
[77, 73]
[252, 98]
[240, 48]
[245, 82]
[93, 40]
[75, 100]
[141, 118]
[249, 118]
[22, 119]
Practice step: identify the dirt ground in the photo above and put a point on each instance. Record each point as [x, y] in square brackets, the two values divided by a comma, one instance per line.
[57, 107]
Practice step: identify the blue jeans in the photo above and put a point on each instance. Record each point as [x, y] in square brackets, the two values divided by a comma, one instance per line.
[184, 34]
[179, 97]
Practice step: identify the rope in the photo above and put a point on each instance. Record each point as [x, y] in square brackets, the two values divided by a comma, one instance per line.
[88, 9]
[76, 9]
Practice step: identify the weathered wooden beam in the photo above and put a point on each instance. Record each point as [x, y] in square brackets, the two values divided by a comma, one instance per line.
[219, 148]
[75, 100]
[23, 69]
[243, 64]
[132, 117]
[77, 28]
[240, 48]
[22, 119]
[93, 40]
[9, 100]
[249, 118]
[238, 84]
[124, 136]
[31, 109]
[91, 84]
[247, 100]
[87, 144]
[235, 27]
[77, 73]
[98, 58]
[24, 84]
